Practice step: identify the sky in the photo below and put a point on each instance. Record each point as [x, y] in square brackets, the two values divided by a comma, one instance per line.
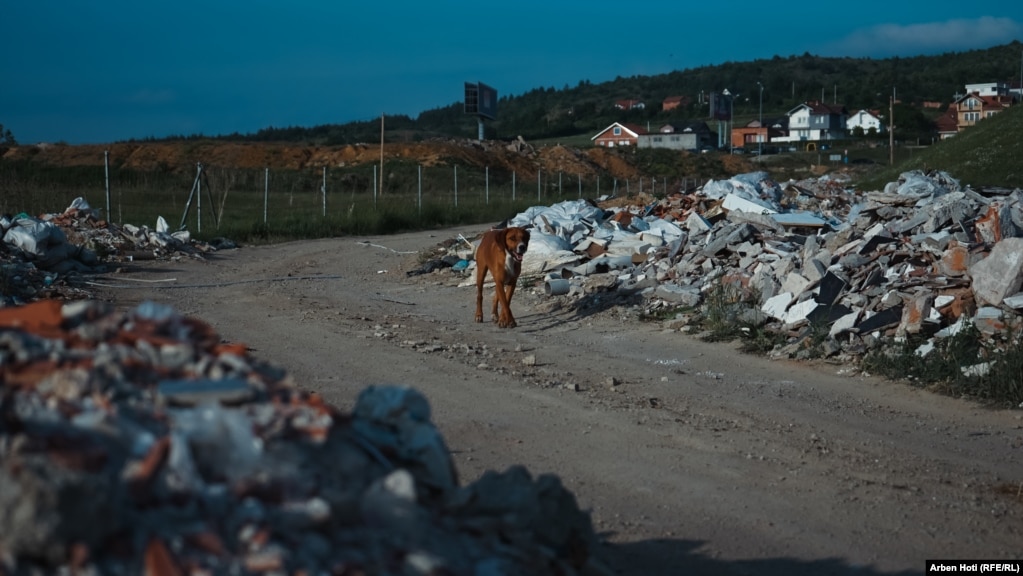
[99, 72]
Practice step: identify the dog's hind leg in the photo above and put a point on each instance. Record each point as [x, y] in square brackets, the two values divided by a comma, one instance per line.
[481, 274]
[495, 310]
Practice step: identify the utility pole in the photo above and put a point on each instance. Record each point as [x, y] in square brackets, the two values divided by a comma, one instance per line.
[381, 154]
[891, 128]
[760, 129]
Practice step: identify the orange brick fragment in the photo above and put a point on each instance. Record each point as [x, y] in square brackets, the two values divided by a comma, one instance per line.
[43, 316]
[158, 560]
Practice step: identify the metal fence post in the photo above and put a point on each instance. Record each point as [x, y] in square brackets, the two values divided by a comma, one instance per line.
[106, 178]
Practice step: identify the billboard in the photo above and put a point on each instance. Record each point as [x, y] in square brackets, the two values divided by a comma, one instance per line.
[720, 106]
[480, 100]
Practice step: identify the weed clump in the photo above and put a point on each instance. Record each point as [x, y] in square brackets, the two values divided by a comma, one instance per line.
[965, 364]
[732, 312]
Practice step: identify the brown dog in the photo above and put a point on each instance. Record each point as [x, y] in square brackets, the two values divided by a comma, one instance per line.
[500, 252]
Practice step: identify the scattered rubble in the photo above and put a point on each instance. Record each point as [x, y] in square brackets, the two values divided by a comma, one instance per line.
[44, 256]
[921, 256]
[139, 442]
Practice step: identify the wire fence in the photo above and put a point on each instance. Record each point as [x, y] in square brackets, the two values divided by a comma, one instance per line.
[207, 197]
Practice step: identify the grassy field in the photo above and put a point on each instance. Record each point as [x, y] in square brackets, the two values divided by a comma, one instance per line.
[263, 206]
[988, 154]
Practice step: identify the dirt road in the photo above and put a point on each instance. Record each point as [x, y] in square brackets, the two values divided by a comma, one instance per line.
[694, 459]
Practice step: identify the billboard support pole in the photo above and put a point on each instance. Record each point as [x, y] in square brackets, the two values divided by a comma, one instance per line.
[480, 101]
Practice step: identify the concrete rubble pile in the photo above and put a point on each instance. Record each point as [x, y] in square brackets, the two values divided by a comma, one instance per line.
[139, 442]
[39, 252]
[924, 256]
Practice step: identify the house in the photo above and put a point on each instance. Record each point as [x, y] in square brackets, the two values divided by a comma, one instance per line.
[750, 134]
[816, 121]
[1016, 90]
[673, 102]
[630, 105]
[618, 134]
[867, 120]
[988, 89]
[689, 136]
[974, 107]
[756, 133]
[947, 124]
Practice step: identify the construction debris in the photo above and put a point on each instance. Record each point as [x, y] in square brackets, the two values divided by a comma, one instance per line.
[140, 443]
[918, 257]
[45, 256]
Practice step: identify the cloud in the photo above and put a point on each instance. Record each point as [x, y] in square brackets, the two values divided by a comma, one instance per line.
[927, 38]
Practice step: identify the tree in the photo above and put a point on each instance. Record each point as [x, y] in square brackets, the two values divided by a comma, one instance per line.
[6, 137]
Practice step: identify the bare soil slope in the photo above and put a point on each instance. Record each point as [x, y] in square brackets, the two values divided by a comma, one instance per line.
[516, 156]
[694, 459]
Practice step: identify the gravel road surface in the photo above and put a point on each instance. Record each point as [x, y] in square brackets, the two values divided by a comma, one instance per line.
[692, 457]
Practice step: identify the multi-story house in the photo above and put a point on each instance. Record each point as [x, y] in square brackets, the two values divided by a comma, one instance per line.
[618, 134]
[867, 120]
[974, 107]
[815, 121]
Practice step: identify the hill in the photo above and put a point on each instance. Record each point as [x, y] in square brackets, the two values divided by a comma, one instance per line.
[549, 112]
[987, 154]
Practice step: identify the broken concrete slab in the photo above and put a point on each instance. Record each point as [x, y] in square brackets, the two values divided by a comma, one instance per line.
[1000, 274]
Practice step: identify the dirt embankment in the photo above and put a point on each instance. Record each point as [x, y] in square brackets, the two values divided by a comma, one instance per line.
[518, 156]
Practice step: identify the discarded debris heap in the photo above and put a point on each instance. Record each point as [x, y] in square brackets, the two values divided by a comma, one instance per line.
[140, 443]
[925, 256]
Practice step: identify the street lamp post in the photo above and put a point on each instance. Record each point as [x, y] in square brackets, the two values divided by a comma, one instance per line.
[760, 135]
[728, 123]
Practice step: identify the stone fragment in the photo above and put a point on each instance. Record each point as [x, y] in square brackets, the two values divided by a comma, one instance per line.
[1000, 274]
[777, 305]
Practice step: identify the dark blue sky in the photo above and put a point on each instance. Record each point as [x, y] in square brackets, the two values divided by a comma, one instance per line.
[97, 72]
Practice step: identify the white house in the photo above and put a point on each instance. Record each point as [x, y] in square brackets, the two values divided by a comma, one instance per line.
[814, 121]
[988, 89]
[866, 120]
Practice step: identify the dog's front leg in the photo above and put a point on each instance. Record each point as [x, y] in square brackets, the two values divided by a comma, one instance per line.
[504, 316]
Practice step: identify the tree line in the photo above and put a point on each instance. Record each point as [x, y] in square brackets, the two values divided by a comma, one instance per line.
[547, 112]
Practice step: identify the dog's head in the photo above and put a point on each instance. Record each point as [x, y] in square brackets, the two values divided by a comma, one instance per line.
[516, 240]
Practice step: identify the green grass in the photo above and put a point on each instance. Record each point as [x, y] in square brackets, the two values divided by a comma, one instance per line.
[246, 206]
[988, 154]
[943, 368]
[725, 316]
